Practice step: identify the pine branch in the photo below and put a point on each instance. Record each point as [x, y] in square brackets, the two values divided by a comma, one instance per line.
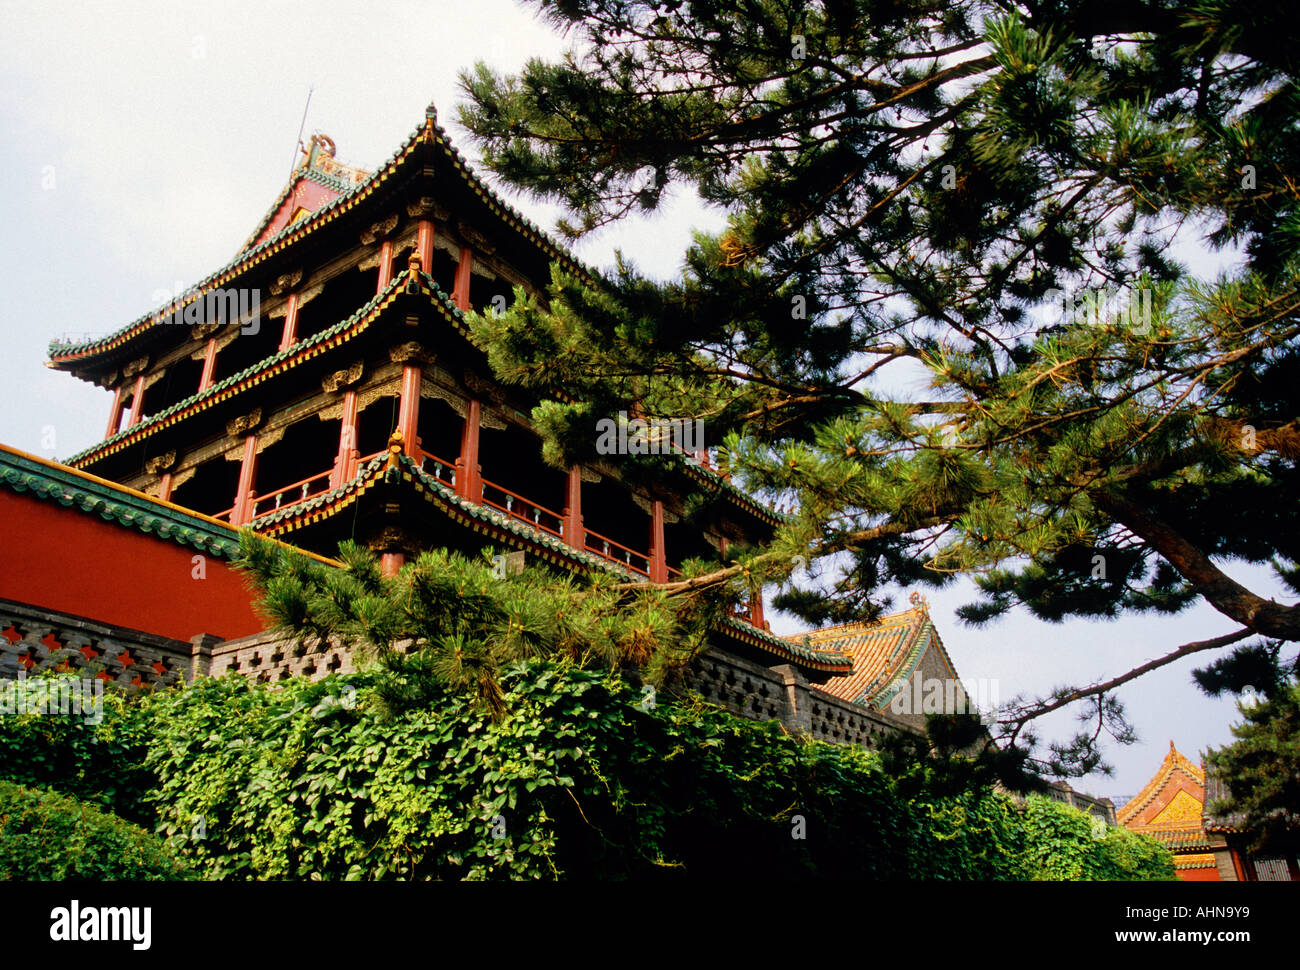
[1220, 590]
[1017, 719]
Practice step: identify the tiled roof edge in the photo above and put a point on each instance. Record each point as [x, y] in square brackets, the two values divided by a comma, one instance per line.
[374, 306]
[51, 482]
[430, 130]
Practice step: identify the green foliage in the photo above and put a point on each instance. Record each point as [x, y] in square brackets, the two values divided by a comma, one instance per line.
[449, 622]
[93, 759]
[1065, 843]
[585, 777]
[577, 779]
[914, 193]
[1260, 770]
[48, 836]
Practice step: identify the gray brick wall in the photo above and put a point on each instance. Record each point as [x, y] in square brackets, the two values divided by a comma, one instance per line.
[36, 639]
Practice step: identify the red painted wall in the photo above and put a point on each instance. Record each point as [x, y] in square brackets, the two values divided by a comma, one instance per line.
[68, 560]
[1198, 875]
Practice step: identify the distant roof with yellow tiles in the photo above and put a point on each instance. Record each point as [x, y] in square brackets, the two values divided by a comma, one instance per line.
[1166, 775]
[885, 652]
[1169, 807]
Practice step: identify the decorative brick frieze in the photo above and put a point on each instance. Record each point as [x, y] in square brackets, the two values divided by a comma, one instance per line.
[36, 640]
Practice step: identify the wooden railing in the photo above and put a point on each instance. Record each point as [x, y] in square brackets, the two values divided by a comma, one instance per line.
[444, 471]
[518, 507]
[617, 552]
[292, 495]
[296, 493]
[494, 496]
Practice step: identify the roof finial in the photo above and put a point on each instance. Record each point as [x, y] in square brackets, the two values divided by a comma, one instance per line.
[431, 112]
[396, 445]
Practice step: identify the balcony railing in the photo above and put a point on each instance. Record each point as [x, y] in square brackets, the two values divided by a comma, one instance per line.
[292, 495]
[495, 496]
[518, 507]
[617, 552]
[444, 471]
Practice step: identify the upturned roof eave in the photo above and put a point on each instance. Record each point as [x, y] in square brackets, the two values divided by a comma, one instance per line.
[433, 136]
[129, 508]
[284, 360]
[287, 359]
[429, 136]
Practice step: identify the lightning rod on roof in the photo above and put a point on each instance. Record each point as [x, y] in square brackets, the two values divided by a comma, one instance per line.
[301, 127]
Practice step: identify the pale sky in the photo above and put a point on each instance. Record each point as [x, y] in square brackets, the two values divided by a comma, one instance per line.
[144, 141]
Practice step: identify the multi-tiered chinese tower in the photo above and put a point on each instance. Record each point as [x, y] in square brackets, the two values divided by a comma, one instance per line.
[322, 386]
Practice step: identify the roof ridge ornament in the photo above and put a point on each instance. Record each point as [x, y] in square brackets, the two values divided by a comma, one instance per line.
[396, 446]
[919, 603]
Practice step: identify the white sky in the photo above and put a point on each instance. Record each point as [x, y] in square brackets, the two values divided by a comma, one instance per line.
[144, 141]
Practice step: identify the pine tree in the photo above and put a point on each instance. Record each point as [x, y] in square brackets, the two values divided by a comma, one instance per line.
[1261, 768]
[447, 622]
[976, 194]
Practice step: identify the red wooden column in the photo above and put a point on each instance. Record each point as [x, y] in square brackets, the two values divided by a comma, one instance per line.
[137, 402]
[469, 476]
[574, 534]
[165, 487]
[756, 609]
[243, 511]
[390, 563]
[344, 467]
[115, 414]
[424, 244]
[385, 265]
[209, 365]
[460, 292]
[658, 557]
[290, 332]
[408, 410]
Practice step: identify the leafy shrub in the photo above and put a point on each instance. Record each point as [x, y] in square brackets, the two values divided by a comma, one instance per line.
[100, 762]
[48, 836]
[578, 780]
[1065, 843]
[575, 781]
